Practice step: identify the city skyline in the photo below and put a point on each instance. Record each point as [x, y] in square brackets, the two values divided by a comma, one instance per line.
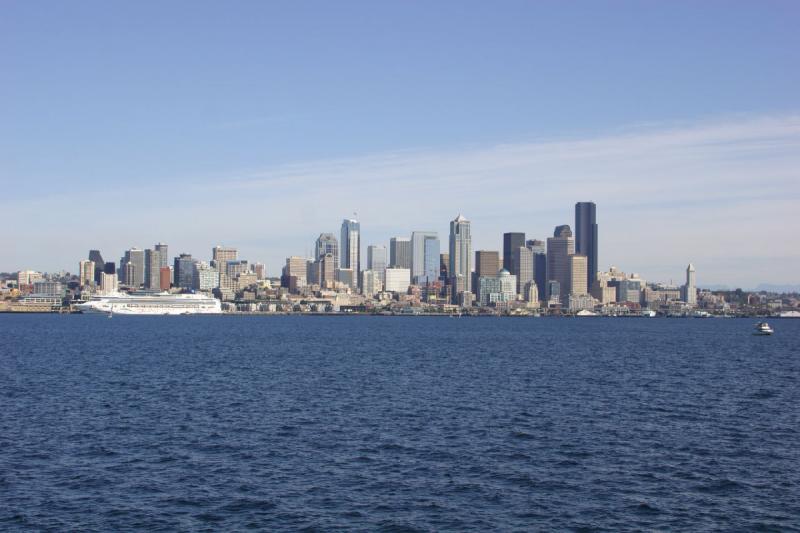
[287, 122]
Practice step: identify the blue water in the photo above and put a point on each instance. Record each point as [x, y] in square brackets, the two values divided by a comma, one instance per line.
[397, 424]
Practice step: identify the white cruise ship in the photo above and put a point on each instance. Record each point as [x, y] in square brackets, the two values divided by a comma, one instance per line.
[151, 304]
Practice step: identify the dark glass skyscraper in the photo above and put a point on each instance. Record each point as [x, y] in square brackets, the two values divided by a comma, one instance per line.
[586, 237]
[511, 241]
[99, 265]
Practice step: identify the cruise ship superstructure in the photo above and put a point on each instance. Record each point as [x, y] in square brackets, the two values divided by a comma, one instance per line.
[151, 304]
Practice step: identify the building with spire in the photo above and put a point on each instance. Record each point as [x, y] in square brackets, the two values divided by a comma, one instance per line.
[690, 288]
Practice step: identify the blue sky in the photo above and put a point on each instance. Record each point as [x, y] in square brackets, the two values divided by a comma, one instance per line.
[261, 124]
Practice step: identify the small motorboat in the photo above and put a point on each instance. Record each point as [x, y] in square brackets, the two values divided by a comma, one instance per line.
[762, 328]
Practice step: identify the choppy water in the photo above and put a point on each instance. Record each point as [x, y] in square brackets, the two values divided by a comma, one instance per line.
[397, 424]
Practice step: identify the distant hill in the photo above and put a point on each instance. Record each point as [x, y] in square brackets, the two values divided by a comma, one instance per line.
[769, 287]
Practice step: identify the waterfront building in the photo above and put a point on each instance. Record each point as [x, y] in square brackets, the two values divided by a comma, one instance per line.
[397, 279]
[350, 246]
[690, 288]
[577, 275]
[86, 272]
[371, 283]
[500, 288]
[327, 244]
[376, 260]
[97, 258]
[400, 252]
[163, 254]
[42, 287]
[424, 257]
[184, 271]
[559, 247]
[511, 241]
[460, 256]
[523, 262]
[205, 277]
[580, 302]
[586, 237]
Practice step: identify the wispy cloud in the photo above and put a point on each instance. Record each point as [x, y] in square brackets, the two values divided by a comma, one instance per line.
[710, 192]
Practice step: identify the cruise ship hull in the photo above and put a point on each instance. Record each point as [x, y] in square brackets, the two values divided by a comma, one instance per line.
[159, 304]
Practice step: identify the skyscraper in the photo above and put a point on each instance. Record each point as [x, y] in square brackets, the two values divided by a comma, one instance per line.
[163, 254]
[690, 289]
[487, 264]
[99, 264]
[539, 263]
[559, 247]
[184, 271]
[133, 268]
[400, 252]
[376, 261]
[424, 257]
[86, 272]
[577, 275]
[350, 246]
[327, 244]
[461, 251]
[511, 241]
[586, 237]
[152, 269]
[523, 262]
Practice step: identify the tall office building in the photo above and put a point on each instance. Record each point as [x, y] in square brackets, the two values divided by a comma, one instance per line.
[327, 244]
[400, 252]
[132, 266]
[350, 246]
[461, 251]
[376, 260]
[152, 269]
[326, 269]
[559, 247]
[220, 255]
[444, 268]
[295, 273]
[577, 275]
[539, 263]
[511, 241]
[586, 237]
[184, 271]
[523, 262]
[86, 272]
[424, 257]
[487, 262]
[690, 289]
[99, 264]
[163, 254]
